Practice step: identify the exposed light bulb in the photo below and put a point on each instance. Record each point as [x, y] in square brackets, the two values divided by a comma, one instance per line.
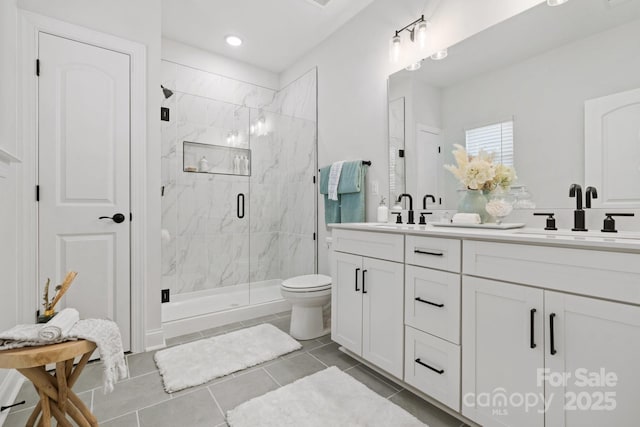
[421, 28]
[395, 48]
[556, 2]
[441, 54]
[234, 41]
[415, 66]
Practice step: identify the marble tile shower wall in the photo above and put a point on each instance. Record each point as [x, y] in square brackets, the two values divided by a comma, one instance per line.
[205, 245]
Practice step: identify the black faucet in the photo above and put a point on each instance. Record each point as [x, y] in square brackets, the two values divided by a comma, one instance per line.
[578, 215]
[410, 220]
[591, 192]
[424, 201]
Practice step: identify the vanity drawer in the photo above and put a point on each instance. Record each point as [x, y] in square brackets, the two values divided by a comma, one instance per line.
[432, 366]
[432, 252]
[375, 245]
[432, 302]
[604, 274]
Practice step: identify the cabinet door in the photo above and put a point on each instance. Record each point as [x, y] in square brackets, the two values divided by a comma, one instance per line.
[502, 350]
[383, 314]
[346, 301]
[596, 339]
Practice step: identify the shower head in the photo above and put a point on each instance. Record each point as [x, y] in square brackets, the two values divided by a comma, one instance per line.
[167, 92]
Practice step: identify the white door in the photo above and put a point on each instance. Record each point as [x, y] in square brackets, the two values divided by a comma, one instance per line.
[383, 314]
[502, 350]
[83, 120]
[428, 162]
[346, 301]
[612, 149]
[593, 339]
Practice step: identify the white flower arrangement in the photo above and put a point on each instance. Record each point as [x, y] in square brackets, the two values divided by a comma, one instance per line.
[479, 172]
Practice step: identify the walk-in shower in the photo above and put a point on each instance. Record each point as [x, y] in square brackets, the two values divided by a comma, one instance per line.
[239, 203]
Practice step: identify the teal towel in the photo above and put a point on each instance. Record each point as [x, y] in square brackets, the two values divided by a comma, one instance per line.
[352, 192]
[350, 206]
[331, 207]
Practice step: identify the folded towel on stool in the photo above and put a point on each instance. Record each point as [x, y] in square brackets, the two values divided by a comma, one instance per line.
[60, 325]
[466, 218]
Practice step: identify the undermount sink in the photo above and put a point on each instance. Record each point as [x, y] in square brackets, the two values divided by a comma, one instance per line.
[588, 236]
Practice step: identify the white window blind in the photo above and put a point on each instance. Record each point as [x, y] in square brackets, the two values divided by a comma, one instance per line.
[496, 138]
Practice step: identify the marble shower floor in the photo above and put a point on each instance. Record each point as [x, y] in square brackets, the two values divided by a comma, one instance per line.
[140, 400]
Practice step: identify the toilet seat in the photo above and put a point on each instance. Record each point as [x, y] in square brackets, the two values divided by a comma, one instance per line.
[307, 283]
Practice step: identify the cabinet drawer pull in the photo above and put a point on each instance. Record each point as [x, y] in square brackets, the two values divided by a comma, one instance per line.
[364, 290]
[429, 302]
[356, 280]
[418, 251]
[552, 340]
[532, 338]
[438, 371]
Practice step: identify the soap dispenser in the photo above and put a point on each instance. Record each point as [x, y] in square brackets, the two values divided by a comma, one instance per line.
[383, 211]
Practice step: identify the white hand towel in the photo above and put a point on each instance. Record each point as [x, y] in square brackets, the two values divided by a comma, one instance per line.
[466, 218]
[106, 335]
[334, 180]
[60, 325]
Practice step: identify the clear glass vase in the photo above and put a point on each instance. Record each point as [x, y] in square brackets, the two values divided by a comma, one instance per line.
[474, 201]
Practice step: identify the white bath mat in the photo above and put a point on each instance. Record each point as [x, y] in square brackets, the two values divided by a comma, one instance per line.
[326, 398]
[198, 362]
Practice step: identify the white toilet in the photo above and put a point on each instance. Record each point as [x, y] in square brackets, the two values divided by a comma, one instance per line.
[308, 295]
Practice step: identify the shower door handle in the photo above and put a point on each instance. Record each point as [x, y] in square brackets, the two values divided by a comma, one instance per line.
[239, 205]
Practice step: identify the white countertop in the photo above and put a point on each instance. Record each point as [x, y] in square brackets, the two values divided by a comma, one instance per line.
[593, 239]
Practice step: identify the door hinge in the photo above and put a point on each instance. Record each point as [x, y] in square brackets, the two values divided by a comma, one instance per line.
[37, 67]
[130, 216]
[439, 149]
[314, 179]
[439, 200]
[37, 315]
[37, 193]
[400, 153]
[314, 236]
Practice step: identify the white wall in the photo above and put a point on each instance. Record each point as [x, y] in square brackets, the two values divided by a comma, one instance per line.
[8, 186]
[353, 66]
[181, 53]
[138, 21]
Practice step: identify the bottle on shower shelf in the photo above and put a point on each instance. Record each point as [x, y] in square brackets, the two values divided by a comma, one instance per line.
[203, 165]
[245, 163]
[236, 165]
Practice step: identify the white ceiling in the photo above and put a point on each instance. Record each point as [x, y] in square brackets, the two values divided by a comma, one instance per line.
[276, 33]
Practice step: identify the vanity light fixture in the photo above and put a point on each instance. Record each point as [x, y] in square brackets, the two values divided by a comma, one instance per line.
[415, 66]
[556, 2]
[416, 29]
[441, 54]
[234, 41]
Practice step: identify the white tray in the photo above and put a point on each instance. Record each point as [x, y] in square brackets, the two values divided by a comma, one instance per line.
[490, 225]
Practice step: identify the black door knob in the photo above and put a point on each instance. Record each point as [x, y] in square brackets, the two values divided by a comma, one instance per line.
[117, 218]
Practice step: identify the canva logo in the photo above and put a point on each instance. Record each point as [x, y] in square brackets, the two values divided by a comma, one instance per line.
[589, 391]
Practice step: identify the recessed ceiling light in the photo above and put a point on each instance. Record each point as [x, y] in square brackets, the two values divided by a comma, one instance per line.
[234, 41]
[556, 2]
[441, 54]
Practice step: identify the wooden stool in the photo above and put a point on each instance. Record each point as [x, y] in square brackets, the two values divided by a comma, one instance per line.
[56, 397]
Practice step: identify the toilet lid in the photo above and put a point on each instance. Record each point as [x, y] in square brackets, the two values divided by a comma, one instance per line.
[309, 282]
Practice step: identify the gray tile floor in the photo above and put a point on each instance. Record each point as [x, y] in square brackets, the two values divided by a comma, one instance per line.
[140, 401]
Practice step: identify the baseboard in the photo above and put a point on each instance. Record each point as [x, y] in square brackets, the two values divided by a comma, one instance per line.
[412, 389]
[9, 389]
[154, 340]
[211, 320]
